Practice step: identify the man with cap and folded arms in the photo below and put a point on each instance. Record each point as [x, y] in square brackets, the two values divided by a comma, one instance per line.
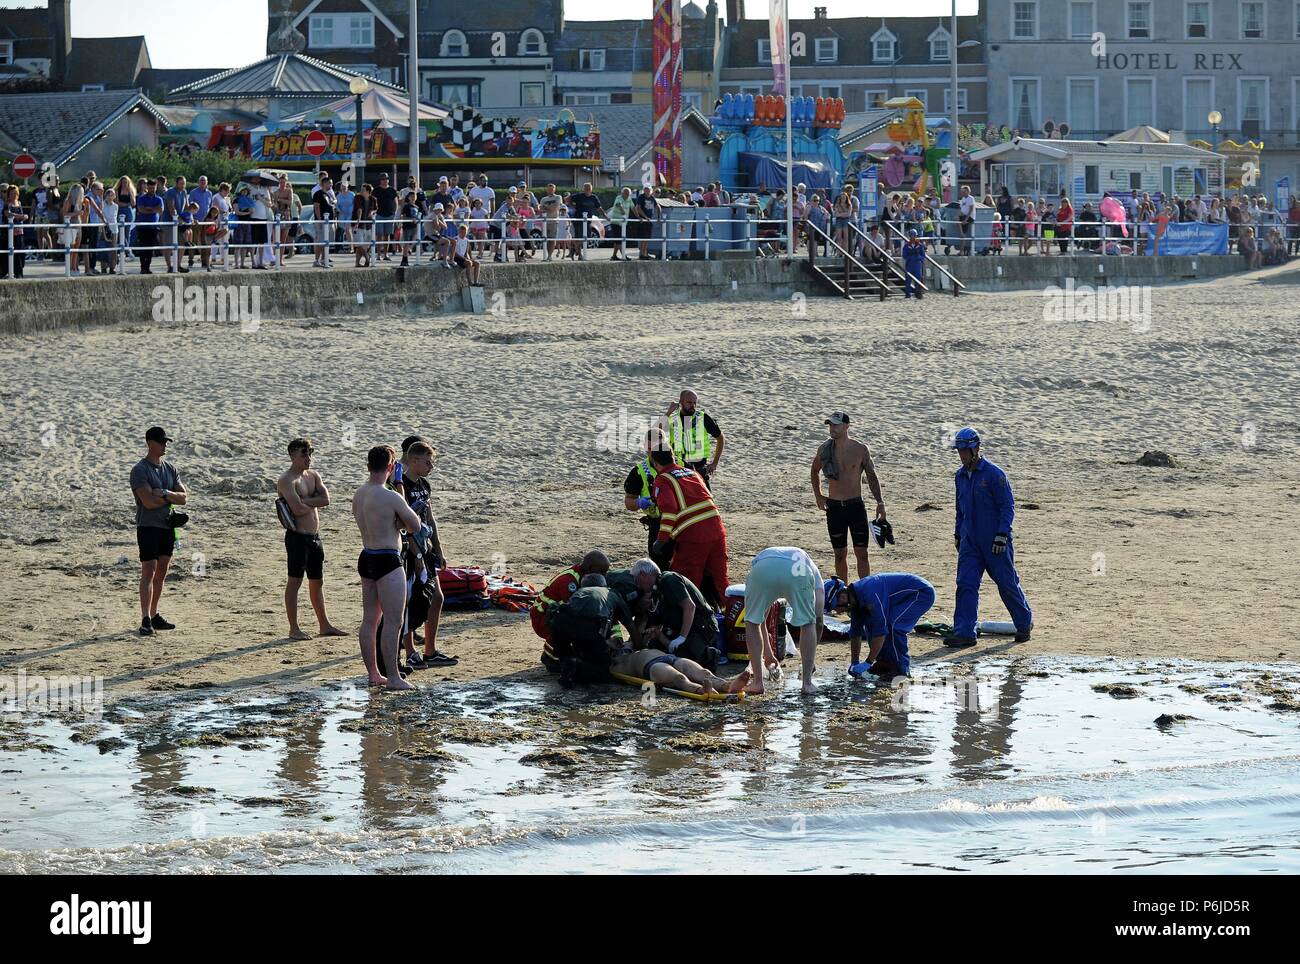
[883, 608]
[157, 487]
[985, 511]
[844, 461]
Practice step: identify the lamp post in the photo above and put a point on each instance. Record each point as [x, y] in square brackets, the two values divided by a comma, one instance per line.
[954, 151]
[359, 87]
[1215, 119]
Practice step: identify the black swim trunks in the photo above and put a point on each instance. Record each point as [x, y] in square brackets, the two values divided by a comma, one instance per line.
[845, 516]
[377, 563]
[306, 555]
[155, 543]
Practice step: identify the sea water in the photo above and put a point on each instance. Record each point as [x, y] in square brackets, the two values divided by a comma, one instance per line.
[989, 765]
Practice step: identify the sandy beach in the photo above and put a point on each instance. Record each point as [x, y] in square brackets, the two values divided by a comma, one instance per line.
[1119, 559]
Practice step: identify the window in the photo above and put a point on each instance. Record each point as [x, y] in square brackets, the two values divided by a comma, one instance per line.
[361, 31]
[882, 47]
[961, 100]
[874, 98]
[453, 44]
[1252, 21]
[585, 100]
[6, 51]
[920, 94]
[940, 46]
[1198, 101]
[1024, 104]
[532, 44]
[591, 59]
[1139, 20]
[1197, 19]
[1139, 101]
[765, 51]
[828, 50]
[1091, 179]
[1083, 19]
[1081, 106]
[1252, 104]
[454, 93]
[1024, 20]
[532, 94]
[1297, 20]
[341, 30]
[92, 87]
[828, 91]
[693, 98]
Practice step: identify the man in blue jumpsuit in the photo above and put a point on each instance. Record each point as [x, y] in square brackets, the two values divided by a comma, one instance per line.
[884, 609]
[985, 510]
[913, 264]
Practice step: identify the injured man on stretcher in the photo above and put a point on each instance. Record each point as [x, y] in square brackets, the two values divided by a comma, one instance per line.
[672, 672]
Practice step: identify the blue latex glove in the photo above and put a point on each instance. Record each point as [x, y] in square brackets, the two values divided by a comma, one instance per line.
[859, 670]
[644, 502]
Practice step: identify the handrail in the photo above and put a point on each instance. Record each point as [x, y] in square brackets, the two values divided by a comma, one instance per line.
[957, 286]
[812, 260]
[900, 270]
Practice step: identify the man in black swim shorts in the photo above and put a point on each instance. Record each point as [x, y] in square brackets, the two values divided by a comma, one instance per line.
[303, 490]
[845, 461]
[157, 487]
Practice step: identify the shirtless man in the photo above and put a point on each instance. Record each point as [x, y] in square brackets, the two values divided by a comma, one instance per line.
[303, 490]
[675, 672]
[844, 461]
[381, 514]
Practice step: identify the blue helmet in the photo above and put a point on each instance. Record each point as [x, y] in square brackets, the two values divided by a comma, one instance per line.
[967, 438]
[832, 587]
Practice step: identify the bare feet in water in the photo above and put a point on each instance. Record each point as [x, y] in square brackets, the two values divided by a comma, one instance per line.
[738, 684]
[400, 684]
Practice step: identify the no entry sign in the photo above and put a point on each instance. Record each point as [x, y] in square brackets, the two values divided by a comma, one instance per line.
[24, 166]
[316, 143]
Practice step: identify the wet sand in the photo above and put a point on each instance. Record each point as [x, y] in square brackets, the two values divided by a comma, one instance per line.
[1197, 561]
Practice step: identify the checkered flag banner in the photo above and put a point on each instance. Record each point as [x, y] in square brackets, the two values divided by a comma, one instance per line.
[494, 129]
[465, 125]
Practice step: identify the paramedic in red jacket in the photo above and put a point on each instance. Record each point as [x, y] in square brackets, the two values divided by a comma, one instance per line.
[689, 524]
[559, 590]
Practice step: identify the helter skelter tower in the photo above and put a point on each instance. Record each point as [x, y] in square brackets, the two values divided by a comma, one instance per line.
[667, 92]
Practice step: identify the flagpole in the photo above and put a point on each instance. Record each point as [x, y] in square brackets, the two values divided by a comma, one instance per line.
[789, 140]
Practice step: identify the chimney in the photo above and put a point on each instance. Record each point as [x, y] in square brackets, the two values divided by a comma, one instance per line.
[735, 12]
[819, 13]
[60, 14]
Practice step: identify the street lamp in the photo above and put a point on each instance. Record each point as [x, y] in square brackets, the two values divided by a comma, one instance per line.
[359, 87]
[1215, 119]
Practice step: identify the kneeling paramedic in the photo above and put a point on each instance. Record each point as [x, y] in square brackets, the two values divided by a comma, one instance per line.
[581, 628]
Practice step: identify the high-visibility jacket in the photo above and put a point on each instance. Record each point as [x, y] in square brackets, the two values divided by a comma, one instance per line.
[687, 437]
[686, 508]
[558, 590]
[647, 473]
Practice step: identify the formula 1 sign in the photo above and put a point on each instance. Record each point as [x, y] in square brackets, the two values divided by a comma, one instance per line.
[291, 145]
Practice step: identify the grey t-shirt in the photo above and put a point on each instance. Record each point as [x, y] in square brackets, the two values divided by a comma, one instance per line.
[149, 476]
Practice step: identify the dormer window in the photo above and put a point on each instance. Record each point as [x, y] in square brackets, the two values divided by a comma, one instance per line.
[532, 43]
[454, 44]
[884, 47]
[940, 46]
[828, 50]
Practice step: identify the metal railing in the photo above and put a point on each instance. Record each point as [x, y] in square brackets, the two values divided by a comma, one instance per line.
[848, 263]
[957, 286]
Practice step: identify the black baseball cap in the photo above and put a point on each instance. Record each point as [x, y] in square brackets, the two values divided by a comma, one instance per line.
[156, 434]
[838, 418]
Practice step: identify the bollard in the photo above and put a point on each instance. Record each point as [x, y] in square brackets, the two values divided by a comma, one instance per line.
[708, 236]
[582, 244]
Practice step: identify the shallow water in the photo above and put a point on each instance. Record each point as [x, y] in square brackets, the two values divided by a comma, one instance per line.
[1028, 765]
